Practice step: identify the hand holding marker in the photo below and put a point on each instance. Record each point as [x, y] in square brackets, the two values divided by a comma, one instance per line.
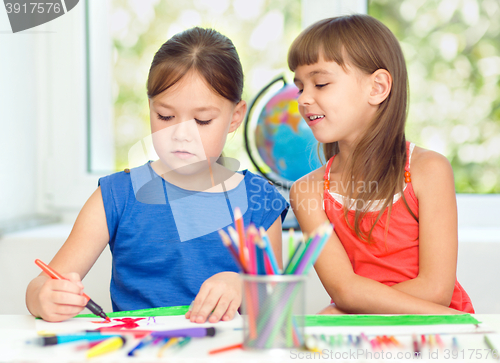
[91, 305]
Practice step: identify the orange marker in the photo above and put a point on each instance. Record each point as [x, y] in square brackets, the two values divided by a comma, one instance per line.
[225, 349]
[91, 305]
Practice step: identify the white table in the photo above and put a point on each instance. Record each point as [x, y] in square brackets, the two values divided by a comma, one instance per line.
[16, 329]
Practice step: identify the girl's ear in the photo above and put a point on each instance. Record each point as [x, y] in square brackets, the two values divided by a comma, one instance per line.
[381, 84]
[239, 113]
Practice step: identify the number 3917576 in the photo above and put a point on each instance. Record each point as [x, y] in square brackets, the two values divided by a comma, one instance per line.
[33, 8]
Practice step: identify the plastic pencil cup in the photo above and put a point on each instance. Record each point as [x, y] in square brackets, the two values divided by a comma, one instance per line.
[273, 311]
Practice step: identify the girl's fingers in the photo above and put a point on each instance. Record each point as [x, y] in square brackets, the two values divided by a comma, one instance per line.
[64, 298]
[231, 310]
[198, 302]
[74, 278]
[64, 286]
[208, 306]
[220, 309]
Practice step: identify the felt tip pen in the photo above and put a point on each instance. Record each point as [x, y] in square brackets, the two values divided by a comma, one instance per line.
[91, 305]
[197, 332]
[59, 339]
[110, 330]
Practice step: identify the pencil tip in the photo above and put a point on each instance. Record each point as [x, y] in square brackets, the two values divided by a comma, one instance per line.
[237, 213]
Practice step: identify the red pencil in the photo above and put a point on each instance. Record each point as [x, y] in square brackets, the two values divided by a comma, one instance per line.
[240, 228]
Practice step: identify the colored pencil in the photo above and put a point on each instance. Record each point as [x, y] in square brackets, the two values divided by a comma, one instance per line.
[269, 250]
[227, 242]
[240, 228]
[170, 342]
[291, 239]
[251, 246]
[241, 251]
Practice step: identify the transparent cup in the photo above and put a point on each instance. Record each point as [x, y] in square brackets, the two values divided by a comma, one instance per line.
[273, 311]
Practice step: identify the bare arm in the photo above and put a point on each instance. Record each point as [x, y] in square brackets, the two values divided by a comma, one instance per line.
[432, 179]
[350, 292]
[57, 300]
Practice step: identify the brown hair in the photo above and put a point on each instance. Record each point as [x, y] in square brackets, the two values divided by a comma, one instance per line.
[380, 153]
[205, 51]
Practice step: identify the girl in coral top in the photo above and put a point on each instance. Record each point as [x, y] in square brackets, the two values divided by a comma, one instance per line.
[392, 203]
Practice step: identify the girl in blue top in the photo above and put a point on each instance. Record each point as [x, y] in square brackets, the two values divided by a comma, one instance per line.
[161, 219]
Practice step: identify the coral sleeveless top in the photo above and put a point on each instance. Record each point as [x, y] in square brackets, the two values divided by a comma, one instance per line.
[392, 257]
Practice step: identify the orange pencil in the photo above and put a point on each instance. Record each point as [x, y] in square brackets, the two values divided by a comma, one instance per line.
[225, 349]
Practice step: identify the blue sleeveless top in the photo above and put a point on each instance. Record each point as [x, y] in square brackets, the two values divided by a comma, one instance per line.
[164, 239]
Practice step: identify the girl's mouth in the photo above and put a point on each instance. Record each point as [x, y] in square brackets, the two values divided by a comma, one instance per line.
[182, 154]
[314, 119]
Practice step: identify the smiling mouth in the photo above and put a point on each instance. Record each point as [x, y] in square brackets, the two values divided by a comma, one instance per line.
[315, 117]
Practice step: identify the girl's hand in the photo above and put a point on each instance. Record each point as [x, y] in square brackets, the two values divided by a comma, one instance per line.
[331, 309]
[60, 300]
[219, 295]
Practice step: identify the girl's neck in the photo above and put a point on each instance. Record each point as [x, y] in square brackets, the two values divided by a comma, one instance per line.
[343, 156]
[212, 178]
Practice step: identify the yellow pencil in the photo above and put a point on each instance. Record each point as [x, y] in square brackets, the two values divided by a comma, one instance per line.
[107, 346]
[168, 344]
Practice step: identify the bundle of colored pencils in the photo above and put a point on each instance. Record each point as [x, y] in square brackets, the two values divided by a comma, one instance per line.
[253, 253]
[270, 314]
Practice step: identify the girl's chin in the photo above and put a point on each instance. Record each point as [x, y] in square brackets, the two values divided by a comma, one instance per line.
[186, 168]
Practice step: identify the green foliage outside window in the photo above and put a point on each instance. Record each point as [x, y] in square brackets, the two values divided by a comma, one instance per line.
[452, 49]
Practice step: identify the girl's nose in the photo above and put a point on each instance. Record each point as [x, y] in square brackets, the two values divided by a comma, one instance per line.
[305, 99]
[184, 131]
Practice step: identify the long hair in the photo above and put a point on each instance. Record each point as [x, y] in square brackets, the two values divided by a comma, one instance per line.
[205, 51]
[380, 153]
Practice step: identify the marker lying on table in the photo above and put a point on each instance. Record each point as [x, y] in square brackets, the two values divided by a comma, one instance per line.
[107, 346]
[91, 305]
[197, 332]
[69, 338]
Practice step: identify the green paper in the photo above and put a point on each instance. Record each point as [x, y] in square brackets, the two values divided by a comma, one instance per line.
[384, 320]
[166, 311]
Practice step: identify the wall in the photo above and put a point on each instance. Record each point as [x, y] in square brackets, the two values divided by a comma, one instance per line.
[17, 122]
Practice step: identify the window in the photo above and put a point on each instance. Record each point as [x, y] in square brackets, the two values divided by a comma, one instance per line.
[452, 52]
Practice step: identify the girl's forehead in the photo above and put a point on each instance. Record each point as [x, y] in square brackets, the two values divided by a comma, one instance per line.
[191, 87]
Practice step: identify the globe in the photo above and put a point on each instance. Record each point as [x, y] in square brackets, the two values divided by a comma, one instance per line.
[282, 139]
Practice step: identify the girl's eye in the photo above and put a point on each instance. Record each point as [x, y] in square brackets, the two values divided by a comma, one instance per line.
[300, 91]
[202, 123]
[165, 118]
[321, 85]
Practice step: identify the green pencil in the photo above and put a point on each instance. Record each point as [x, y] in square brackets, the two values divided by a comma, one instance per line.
[291, 239]
[490, 344]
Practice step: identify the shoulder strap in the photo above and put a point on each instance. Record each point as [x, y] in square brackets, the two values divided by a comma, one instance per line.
[326, 177]
[409, 150]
